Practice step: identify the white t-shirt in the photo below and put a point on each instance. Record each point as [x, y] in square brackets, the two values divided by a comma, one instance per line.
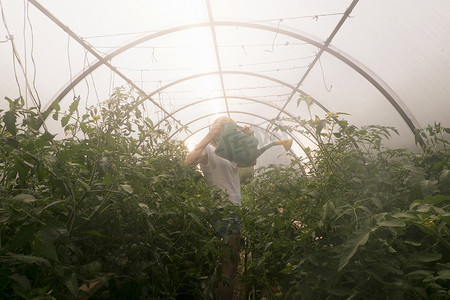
[222, 173]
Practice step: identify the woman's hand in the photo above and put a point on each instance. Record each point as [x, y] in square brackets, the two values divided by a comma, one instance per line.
[216, 130]
[247, 129]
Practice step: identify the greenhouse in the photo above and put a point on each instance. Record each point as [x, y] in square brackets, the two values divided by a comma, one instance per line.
[208, 149]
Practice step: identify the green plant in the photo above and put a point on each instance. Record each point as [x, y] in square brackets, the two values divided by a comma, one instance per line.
[366, 222]
[112, 202]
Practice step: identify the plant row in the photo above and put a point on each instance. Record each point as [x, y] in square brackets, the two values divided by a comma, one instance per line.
[364, 222]
[107, 211]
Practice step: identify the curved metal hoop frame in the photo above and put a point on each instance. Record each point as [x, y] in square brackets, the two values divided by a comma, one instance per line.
[377, 82]
[234, 97]
[293, 88]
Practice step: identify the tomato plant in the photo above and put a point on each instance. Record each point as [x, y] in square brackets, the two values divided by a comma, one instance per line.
[111, 202]
[111, 205]
[365, 222]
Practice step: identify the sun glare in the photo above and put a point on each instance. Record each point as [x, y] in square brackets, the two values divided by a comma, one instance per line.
[190, 11]
[217, 109]
[190, 144]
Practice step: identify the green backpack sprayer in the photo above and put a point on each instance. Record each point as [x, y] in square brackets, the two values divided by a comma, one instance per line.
[242, 148]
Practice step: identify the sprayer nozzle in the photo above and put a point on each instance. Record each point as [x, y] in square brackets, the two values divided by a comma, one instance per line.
[286, 144]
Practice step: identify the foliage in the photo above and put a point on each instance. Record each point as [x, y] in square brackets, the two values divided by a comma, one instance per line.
[366, 222]
[112, 202]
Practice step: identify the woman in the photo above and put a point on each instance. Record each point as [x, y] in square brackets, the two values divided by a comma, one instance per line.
[225, 175]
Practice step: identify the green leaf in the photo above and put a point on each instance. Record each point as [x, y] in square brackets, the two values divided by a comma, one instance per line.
[444, 181]
[30, 122]
[65, 120]
[377, 202]
[55, 106]
[74, 105]
[444, 275]
[93, 268]
[267, 245]
[413, 243]
[107, 179]
[197, 220]
[427, 186]
[413, 205]
[84, 128]
[21, 280]
[437, 199]
[320, 126]
[23, 236]
[391, 223]
[423, 208]
[415, 193]
[85, 185]
[96, 233]
[355, 241]
[287, 270]
[10, 122]
[427, 256]
[72, 284]
[30, 259]
[51, 204]
[445, 218]
[44, 247]
[146, 209]
[26, 198]
[138, 113]
[111, 140]
[46, 137]
[403, 215]
[12, 142]
[53, 230]
[419, 274]
[127, 188]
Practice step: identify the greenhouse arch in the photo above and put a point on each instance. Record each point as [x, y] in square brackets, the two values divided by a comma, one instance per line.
[214, 98]
[324, 46]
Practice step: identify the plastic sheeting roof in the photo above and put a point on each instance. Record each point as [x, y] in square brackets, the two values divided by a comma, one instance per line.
[382, 62]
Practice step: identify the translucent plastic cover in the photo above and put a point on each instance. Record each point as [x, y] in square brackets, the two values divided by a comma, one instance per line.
[381, 62]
